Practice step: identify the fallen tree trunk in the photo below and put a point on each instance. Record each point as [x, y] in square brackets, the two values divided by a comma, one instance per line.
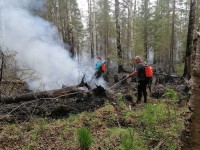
[39, 95]
[54, 104]
[12, 82]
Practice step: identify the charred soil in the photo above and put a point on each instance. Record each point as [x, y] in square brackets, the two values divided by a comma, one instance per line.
[50, 119]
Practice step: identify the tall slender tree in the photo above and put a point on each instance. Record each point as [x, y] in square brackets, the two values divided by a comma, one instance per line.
[92, 27]
[172, 43]
[70, 29]
[145, 14]
[189, 47]
[118, 39]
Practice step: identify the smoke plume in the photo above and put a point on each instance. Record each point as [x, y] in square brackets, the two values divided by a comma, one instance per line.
[36, 42]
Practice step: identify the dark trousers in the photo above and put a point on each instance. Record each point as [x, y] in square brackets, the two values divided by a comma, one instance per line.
[98, 74]
[142, 85]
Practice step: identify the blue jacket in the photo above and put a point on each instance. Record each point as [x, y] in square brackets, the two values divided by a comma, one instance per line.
[98, 64]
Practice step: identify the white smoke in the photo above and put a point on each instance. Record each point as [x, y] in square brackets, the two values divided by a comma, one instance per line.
[36, 42]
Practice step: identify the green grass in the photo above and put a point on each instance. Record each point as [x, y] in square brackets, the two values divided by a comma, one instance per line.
[113, 126]
[161, 122]
[171, 94]
[129, 138]
[84, 138]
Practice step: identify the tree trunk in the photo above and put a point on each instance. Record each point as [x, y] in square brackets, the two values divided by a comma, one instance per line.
[172, 45]
[94, 35]
[133, 54]
[1, 73]
[90, 28]
[70, 30]
[189, 47]
[119, 48]
[106, 36]
[193, 127]
[38, 95]
[129, 33]
[192, 140]
[146, 47]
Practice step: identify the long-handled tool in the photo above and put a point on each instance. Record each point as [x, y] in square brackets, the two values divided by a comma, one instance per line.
[93, 77]
[117, 83]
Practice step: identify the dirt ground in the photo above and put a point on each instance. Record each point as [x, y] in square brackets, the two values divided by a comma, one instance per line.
[74, 101]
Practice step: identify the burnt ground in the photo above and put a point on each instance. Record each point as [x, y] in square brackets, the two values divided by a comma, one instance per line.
[65, 102]
[58, 105]
[73, 100]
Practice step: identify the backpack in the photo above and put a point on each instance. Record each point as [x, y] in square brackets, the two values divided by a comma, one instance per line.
[148, 71]
[103, 67]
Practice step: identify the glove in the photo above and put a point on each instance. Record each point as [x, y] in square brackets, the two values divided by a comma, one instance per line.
[128, 76]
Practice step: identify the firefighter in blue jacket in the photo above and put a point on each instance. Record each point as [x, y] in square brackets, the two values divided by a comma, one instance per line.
[98, 64]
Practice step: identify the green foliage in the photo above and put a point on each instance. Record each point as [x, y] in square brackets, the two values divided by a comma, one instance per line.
[42, 125]
[30, 145]
[152, 114]
[161, 122]
[120, 100]
[170, 93]
[152, 117]
[129, 114]
[171, 146]
[106, 103]
[129, 137]
[84, 138]
[180, 68]
[127, 142]
[72, 118]
[119, 96]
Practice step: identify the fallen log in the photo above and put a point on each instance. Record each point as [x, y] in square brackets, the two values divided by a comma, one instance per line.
[12, 82]
[38, 95]
[66, 92]
[162, 78]
[54, 104]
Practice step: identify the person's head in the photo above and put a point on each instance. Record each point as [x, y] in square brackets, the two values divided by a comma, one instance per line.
[137, 59]
[99, 58]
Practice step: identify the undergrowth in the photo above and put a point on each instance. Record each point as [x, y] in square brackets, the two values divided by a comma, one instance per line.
[115, 126]
[84, 138]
